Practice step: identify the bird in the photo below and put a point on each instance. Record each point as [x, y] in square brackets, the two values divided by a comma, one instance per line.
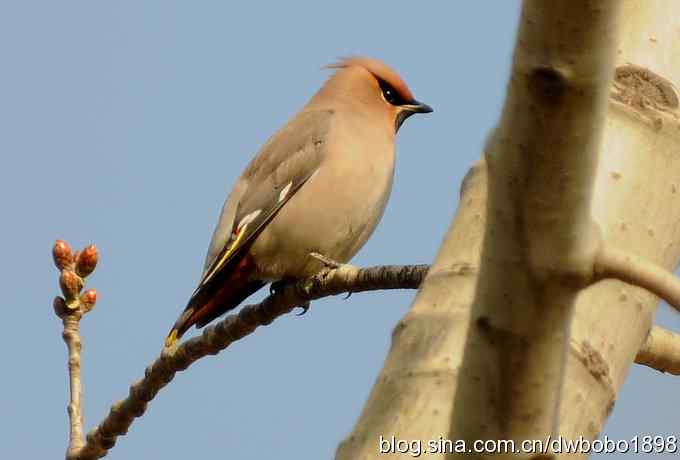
[317, 186]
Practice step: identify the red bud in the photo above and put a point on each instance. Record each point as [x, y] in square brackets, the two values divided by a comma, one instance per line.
[88, 299]
[62, 254]
[87, 260]
[70, 284]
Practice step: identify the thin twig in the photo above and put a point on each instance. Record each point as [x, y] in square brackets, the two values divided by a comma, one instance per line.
[661, 351]
[71, 336]
[71, 308]
[216, 338]
[635, 270]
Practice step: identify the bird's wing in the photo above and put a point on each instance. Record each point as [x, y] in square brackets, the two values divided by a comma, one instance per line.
[283, 165]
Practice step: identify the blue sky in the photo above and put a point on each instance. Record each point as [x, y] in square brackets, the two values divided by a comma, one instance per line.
[126, 123]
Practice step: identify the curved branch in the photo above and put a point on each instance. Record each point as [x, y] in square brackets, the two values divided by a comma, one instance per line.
[661, 351]
[638, 271]
[219, 336]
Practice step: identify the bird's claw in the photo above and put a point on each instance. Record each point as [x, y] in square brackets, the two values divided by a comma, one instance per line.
[304, 307]
[349, 294]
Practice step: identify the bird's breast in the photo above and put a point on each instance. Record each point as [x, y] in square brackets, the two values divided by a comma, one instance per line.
[335, 212]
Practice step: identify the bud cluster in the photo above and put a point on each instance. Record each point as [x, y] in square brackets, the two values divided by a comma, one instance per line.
[74, 267]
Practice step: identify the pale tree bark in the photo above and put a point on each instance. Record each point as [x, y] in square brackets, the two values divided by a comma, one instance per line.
[637, 205]
[539, 241]
[661, 351]
[486, 351]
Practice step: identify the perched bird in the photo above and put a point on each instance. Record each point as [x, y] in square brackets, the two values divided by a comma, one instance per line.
[319, 185]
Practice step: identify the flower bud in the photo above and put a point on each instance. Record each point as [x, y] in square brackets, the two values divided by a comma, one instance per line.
[70, 284]
[88, 299]
[62, 254]
[87, 260]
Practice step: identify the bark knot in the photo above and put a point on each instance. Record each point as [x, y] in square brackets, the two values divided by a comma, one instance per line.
[641, 88]
[594, 362]
[548, 83]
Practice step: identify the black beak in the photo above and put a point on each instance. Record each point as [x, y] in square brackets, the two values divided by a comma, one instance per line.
[409, 109]
[416, 107]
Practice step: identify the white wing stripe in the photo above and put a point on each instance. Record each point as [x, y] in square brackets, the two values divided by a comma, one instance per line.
[248, 219]
[285, 191]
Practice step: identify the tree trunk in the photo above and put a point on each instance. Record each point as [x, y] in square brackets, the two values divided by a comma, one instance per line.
[484, 344]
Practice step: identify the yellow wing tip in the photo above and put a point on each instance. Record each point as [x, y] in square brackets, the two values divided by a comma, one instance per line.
[171, 339]
[223, 259]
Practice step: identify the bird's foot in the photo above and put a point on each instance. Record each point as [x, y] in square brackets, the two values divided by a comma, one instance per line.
[278, 286]
[326, 261]
[329, 265]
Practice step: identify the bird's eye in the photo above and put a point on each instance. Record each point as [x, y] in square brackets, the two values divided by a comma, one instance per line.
[389, 93]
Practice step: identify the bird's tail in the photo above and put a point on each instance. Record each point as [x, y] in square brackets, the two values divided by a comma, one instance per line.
[222, 294]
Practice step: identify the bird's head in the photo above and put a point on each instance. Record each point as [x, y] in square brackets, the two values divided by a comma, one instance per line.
[372, 85]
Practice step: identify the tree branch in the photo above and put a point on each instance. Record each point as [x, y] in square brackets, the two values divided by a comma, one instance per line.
[638, 271]
[539, 237]
[661, 348]
[214, 339]
[661, 351]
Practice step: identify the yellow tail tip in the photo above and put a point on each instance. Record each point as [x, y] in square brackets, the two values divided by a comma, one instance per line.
[171, 339]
